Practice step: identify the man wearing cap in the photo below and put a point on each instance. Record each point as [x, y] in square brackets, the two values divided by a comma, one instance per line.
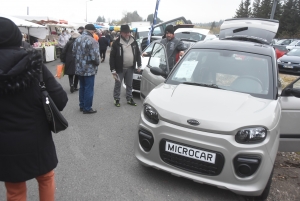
[124, 56]
[80, 30]
[173, 46]
[86, 53]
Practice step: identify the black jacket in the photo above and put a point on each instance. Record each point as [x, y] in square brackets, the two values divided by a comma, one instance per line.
[116, 56]
[26, 146]
[103, 43]
[67, 58]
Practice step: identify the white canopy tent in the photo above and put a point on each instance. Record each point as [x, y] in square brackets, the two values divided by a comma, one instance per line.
[29, 28]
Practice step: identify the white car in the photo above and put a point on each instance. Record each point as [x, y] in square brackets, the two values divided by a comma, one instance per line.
[295, 43]
[220, 116]
[194, 34]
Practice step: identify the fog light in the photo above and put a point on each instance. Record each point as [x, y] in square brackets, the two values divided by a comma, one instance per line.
[246, 165]
[146, 140]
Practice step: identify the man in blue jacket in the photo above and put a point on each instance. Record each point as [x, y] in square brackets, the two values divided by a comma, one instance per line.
[86, 53]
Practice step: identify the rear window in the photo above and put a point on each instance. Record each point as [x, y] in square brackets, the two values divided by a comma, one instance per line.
[190, 36]
[230, 70]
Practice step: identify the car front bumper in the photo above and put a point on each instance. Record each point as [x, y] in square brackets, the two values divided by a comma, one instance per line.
[225, 144]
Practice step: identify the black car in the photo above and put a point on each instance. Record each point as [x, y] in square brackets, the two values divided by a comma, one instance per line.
[290, 62]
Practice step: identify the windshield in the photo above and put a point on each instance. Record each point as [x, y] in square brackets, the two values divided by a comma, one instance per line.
[190, 36]
[224, 69]
[294, 52]
[143, 34]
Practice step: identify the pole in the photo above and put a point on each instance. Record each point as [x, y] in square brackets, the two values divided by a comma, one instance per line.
[273, 9]
[86, 12]
[27, 10]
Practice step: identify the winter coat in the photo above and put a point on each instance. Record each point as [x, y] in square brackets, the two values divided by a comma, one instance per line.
[86, 53]
[116, 56]
[103, 43]
[173, 47]
[67, 58]
[26, 146]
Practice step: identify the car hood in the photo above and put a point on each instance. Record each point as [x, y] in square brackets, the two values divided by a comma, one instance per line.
[287, 58]
[217, 111]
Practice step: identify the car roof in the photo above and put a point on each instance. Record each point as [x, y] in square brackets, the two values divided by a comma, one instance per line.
[196, 30]
[241, 46]
[144, 28]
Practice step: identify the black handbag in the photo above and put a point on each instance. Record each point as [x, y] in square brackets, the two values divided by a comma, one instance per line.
[56, 120]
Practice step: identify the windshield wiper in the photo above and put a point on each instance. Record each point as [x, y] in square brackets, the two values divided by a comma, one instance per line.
[202, 85]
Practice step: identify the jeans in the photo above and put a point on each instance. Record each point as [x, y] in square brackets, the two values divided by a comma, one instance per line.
[86, 92]
[127, 75]
[18, 191]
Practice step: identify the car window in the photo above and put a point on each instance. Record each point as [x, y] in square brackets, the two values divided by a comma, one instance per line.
[158, 57]
[149, 48]
[294, 42]
[230, 70]
[157, 31]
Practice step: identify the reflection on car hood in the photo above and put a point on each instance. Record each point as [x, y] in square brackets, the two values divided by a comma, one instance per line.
[287, 58]
[218, 111]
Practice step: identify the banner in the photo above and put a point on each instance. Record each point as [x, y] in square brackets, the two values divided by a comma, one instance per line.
[154, 21]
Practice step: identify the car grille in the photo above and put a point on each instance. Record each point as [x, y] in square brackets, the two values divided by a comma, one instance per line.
[190, 164]
[136, 84]
[285, 62]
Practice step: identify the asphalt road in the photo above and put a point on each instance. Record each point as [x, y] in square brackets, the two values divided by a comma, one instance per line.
[96, 155]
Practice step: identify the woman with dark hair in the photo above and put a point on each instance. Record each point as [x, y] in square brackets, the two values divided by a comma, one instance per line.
[27, 149]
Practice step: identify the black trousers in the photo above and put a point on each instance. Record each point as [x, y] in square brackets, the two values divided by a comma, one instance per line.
[102, 54]
[73, 80]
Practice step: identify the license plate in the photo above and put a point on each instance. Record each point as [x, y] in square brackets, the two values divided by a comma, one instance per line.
[287, 66]
[137, 77]
[189, 152]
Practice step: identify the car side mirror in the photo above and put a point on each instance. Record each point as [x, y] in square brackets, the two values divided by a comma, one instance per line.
[158, 71]
[294, 92]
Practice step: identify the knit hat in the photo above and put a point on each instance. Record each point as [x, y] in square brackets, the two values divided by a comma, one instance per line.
[125, 28]
[169, 29]
[10, 35]
[90, 27]
[80, 28]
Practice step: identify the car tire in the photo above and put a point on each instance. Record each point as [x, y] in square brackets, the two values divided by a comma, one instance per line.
[266, 191]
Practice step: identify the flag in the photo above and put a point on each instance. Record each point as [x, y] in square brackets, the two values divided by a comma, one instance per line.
[154, 21]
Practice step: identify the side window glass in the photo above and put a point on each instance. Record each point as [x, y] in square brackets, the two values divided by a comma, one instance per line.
[157, 31]
[296, 85]
[288, 79]
[158, 57]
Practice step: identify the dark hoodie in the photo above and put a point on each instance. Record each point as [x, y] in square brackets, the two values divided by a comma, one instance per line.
[26, 146]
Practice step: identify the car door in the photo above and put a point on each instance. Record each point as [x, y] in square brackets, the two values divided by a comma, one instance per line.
[290, 118]
[158, 58]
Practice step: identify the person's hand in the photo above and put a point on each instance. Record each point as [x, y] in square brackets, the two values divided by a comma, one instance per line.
[181, 53]
[144, 54]
[139, 70]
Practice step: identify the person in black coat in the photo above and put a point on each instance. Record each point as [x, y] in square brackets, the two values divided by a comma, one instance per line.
[103, 43]
[27, 149]
[69, 60]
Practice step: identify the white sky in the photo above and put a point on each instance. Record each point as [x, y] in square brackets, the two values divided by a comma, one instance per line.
[75, 10]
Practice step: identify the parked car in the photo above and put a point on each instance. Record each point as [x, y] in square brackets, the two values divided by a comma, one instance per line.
[218, 118]
[284, 41]
[290, 62]
[293, 44]
[280, 50]
[194, 34]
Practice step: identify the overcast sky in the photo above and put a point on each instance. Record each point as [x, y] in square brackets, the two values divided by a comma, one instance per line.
[75, 10]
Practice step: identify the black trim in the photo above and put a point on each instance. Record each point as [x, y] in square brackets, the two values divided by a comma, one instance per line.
[290, 136]
[143, 96]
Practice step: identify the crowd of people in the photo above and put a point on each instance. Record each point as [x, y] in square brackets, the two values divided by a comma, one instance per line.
[27, 150]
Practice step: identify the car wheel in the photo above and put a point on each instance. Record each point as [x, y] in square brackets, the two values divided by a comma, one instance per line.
[266, 191]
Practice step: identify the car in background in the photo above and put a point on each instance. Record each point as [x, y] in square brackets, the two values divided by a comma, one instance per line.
[284, 41]
[290, 62]
[220, 115]
[280, 50]
[293, 44]
[194, 34]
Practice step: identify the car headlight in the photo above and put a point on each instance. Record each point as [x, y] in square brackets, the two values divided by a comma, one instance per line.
[278, 60]
[151, 114]
[251, 135]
